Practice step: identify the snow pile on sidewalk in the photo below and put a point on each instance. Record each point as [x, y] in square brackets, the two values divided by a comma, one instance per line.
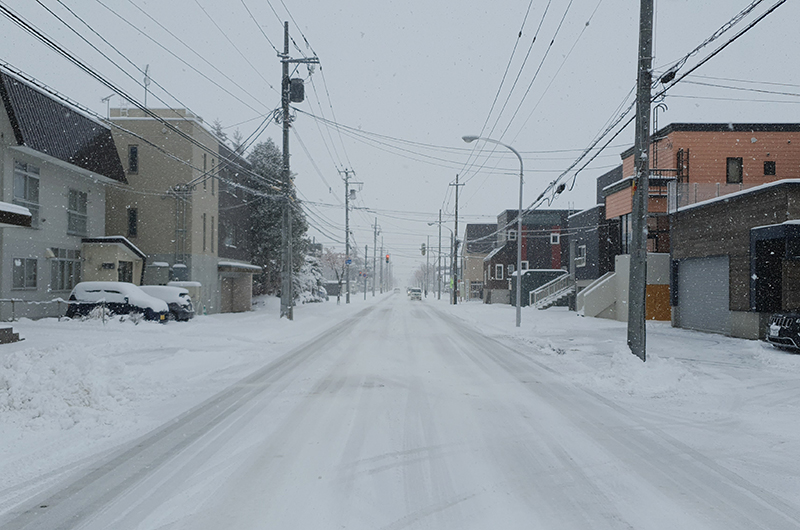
[657, 378]
[59, 387]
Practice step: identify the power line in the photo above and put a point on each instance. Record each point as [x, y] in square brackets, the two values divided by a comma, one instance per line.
[259, 26]
[191, 49]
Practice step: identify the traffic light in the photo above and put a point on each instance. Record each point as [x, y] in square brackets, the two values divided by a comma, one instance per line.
[423, 249]
[387, 258]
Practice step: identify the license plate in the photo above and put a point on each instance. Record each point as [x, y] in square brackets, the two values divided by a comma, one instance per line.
[774, 330]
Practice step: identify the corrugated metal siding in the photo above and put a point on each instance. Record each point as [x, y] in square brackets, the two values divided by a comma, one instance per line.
[49, 127]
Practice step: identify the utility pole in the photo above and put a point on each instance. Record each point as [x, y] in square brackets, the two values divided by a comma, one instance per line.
[366, 272]
[439, 256]
[454, 274]
[427, 266]
[287, 297]
[374, 253]
[637, 287]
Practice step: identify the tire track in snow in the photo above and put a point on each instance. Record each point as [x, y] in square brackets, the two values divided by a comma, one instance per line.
[715, 495]
[71, 505]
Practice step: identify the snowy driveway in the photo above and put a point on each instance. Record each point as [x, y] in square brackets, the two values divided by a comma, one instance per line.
[405, 416]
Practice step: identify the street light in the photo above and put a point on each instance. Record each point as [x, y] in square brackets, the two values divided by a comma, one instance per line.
[470, 139]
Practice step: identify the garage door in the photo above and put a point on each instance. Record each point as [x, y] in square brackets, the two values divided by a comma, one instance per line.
[703, 301]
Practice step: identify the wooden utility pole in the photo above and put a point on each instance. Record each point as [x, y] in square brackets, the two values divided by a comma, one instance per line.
[637, 287]
[374, 253]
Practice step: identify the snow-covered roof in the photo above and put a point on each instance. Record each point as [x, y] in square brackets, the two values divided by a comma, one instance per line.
[493, 253]
[120, 240]
[586, 210]
[239, 265]
[14, 215]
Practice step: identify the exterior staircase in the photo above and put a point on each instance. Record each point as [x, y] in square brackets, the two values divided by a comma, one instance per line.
[552, 292]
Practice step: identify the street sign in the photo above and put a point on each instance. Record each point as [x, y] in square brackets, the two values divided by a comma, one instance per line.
[349, 262]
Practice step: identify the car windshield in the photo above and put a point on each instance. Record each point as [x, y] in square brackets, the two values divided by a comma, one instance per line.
[377, 265]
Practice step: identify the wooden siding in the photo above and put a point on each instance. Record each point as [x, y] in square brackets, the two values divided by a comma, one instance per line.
[619, 203]
[709, 151]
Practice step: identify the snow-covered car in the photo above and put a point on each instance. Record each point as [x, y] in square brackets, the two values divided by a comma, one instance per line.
[177, 299]
[415, 293]
[783, 330]
[119, 298]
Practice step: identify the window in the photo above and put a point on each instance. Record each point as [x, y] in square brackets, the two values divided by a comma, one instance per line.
[510, 269]
[769, 167]
[125, 271]
[133, 159]
[555, 238]
[24, 273]
[580, 256]
[212, 224]
[133, 222]
[498, 271]
[204, 232]
[213, 180]
[26, 189]
[524, 265]
[77, 220]
[65, 269]
[205, 170]
[626, 229]
[229, 235]
[512, 235]
[734, 171]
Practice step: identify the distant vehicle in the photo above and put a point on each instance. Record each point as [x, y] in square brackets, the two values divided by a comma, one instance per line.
[783, 330]
[415, 293]
[397, 289]
[177, 299]
[120, 298]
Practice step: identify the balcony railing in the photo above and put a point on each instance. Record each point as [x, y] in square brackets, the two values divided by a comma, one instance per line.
[685, 194]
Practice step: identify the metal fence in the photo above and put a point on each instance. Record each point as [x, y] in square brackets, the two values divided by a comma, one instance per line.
[687, 193]
[12, 309]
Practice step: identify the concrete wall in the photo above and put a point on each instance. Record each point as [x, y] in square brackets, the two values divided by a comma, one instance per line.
[96, 254]
[608, 296]
[158, 227]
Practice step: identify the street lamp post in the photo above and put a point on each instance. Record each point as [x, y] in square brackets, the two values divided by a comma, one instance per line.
[470, 139]
[452, 237]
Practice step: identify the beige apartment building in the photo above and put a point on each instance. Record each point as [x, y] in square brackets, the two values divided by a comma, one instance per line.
[170, 209]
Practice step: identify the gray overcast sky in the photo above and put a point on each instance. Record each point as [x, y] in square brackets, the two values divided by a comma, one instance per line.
[407, 79]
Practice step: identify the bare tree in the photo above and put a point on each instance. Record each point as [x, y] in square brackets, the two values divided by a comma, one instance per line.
[335, 262]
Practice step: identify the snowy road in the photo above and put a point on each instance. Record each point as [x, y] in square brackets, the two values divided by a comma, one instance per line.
[406, 417]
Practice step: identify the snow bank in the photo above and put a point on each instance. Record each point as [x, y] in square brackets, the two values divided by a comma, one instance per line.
[622, 372]
[59, 388]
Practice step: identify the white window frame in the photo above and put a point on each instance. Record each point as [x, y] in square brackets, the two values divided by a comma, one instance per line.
[77, 218]
[65, 269]
[498, 271]
[29, 269]
[580, 256]
[524, 265]
[510, 269]
[512, 235]
[26, 189]
[555, 238]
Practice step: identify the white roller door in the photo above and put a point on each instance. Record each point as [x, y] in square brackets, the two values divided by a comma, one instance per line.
[703, 299]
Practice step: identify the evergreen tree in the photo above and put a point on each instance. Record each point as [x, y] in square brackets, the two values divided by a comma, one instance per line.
[219, 132]
[266, 218]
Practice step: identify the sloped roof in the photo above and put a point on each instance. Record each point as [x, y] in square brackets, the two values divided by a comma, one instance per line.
[45, 125]
[479, 239]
